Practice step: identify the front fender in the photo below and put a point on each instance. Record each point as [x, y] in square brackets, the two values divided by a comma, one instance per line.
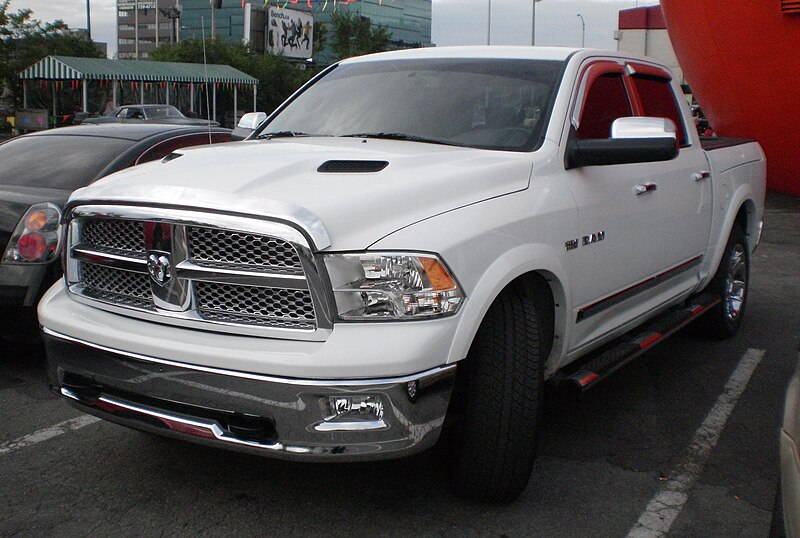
[515, 263]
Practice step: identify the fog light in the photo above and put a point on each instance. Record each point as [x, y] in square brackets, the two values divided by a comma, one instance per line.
[356, 412]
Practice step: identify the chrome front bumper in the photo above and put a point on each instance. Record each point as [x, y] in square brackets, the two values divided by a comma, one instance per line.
[284, 418]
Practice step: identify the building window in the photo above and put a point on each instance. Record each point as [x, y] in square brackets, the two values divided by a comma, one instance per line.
[122, 14]
[127, 27]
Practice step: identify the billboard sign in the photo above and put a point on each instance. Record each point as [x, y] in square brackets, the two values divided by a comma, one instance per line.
[289, 32]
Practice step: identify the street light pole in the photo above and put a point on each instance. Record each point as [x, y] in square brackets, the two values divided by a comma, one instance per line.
[583, 31]
[533, 24]
[489, 25]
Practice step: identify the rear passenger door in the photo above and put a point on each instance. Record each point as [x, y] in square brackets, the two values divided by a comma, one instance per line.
[635, 252]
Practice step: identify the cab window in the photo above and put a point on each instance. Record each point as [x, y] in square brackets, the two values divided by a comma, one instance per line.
[658, 100]
[606, 100]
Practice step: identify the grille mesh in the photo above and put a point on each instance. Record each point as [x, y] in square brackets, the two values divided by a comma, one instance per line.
[115, 235]
[254, 301]
[116, 283]
[240, 248]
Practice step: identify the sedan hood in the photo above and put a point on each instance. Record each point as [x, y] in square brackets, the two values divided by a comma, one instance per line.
[349, 207]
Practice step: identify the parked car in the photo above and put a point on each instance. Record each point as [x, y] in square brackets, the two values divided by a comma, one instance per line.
[375, 273]
[786, 516]
[37, 174]
[148, 114]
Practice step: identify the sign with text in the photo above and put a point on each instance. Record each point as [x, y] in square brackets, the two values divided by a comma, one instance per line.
[289, 32]
[130, 5]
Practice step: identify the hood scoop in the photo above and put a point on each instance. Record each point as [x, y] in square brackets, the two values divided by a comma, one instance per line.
[352, 167]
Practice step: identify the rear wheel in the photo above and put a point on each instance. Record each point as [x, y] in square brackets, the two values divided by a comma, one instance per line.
[501, 391]
[731, 283]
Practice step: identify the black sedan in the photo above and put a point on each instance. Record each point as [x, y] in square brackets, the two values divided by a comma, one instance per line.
[148, 114]
[37, 174]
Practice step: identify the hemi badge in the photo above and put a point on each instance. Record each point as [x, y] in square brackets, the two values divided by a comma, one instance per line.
[593, 238]
[572, 244]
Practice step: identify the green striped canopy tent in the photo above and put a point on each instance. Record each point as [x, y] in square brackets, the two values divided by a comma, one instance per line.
[138, 73]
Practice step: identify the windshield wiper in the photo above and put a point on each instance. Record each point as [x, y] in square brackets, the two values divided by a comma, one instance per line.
[281, 134]
[401, 136]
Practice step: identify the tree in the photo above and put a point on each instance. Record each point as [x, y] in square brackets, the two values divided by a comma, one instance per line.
[354, 35]
[25, 40]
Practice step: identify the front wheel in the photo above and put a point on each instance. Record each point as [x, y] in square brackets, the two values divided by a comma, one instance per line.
[731, 282]
[501, 391]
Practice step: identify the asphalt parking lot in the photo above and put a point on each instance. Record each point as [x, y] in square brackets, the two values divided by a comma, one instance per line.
[700, 414]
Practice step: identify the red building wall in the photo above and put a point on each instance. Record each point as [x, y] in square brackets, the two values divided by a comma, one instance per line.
[742, 60]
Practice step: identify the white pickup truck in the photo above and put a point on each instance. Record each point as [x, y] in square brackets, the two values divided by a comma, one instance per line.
[404, 253]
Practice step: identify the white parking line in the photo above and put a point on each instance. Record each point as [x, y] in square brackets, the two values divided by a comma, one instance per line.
[47, 433]
[664, 507]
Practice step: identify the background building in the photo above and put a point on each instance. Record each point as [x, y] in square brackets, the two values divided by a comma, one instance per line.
[141, 27]
[642, 30]
[408, 21]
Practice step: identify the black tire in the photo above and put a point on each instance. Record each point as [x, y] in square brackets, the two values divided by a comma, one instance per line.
[495, 446]
[731, 282]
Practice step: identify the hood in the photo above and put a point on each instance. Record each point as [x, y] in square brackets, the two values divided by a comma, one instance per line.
[343, 210]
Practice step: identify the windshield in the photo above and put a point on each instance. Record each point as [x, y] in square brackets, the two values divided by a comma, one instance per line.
[482, 103]
[163, 112]
[57, 162]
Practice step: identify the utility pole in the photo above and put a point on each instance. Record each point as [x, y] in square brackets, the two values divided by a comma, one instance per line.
[533, 24]
[88, 21]
[583, 31]
[136, 28]
[489, 25]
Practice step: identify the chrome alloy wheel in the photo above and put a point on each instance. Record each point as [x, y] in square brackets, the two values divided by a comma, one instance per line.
[735, 283]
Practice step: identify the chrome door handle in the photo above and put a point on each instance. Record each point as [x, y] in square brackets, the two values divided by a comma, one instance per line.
[701, 175]
[645, 188]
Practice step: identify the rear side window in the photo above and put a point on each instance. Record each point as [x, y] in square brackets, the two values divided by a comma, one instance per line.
[57, 161]
[658, 100]
[164, 148]
[606, 101]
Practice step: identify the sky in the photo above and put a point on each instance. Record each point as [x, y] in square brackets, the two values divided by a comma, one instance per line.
[455, 22]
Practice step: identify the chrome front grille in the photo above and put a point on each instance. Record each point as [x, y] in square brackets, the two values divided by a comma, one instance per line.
[218, 248]
[291, 307]
[208, 271]
[115, 235]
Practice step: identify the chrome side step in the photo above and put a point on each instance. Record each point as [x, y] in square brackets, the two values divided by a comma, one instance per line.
[599, 366]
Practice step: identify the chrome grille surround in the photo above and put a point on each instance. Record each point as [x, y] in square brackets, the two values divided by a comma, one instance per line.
[235, 274]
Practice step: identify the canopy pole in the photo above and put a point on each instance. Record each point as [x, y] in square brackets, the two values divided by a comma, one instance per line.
[54, 100]
[24, 95]
[255, 93]
[167, 93]
[214, 101]
[141, 92]
[235, 105]
[191, 97]
[85, 96]
[113, 94]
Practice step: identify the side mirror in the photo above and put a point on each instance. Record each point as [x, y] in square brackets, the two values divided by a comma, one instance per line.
[251, 120]
[633, 140]
[247, 125]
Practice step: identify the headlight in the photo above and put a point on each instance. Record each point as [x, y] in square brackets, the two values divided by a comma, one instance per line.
[391, 286]
[36, 237]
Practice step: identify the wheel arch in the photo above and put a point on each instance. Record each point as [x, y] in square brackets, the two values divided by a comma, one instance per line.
[545, 284]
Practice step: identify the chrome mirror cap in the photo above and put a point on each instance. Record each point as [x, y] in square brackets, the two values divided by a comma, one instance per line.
[643, 127]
